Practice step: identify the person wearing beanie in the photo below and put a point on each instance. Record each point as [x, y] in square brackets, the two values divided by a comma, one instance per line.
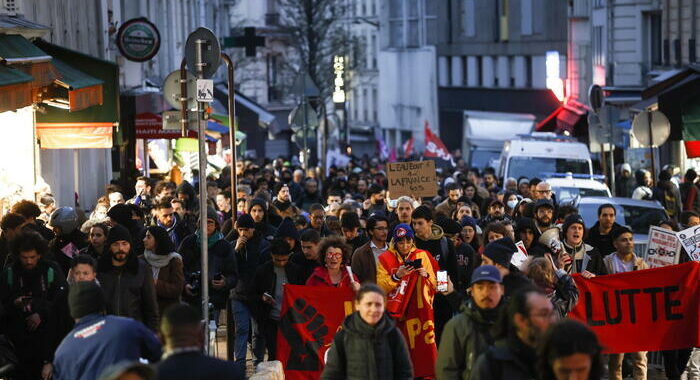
[288, 231]
[127, 280]
[121, 214]
[469, 333]
[99, 341]
[259, 211]
[250, 251]
[417, 280]
[464, 252]
[32, 292]
[668, 195]
[283, 201]
[222, 264]
[499, 253]
[582, 258]
[351, 228]
[470, 235]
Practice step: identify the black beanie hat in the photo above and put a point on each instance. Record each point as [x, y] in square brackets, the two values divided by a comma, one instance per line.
[212, 214]
[118, 233]
[572, 219]
[278, 187]
[120, 213]
[245, 221]
[85, 298]
[287, 229]
[449, 226]
[500, 251]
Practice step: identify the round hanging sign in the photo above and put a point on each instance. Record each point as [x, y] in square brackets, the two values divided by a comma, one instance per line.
[138, 40]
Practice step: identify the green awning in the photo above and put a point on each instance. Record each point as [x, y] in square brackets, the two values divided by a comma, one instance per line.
[10, 76]
[72, 78]
[17, 49]
[98, 69]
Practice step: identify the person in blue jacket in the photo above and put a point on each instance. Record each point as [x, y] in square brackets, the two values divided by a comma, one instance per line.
[98, 341]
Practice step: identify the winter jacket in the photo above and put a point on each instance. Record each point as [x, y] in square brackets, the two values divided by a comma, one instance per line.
[514, 281]
[192, 203]
[624, 186]
[690, 192]
[643, 193]
[363, 352]
[307, 200]
[639, 263]
[221, 262]
[321, 277]
[508, 359]
[248, 259]
[178, 231]
[129, 289]
[197, 366]
[307, 266]
[670, 197]
[169, 282]
[603, 243]
[358, 241]
[286, 209]
[265, 280]
[592, 260]
[565, 295]
[63, 248]
[464, 338]
[98, 341]
[364, 264]
[446, 207]
[48, 289]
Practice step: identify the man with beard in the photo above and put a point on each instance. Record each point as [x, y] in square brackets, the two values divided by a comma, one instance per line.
[600, 235]
[31, 212]
[167, 218]
[583, 258]
[31, 290]
[295, 190]
[453, 191]
[526, 230]
[528, 315]
[469, 333]
[544, 214]
[283, 201]
[496, 213]
[311, 195]
[309, 257]
[374, 205]
[364, 259]
[127, 280]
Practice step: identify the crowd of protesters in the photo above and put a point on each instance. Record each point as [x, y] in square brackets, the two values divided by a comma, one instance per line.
[81, 293]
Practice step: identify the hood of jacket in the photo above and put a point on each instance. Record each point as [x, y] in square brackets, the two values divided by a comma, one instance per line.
[356, 325]
[484, 317]
[436, 232]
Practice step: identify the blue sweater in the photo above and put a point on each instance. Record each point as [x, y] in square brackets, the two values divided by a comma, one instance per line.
[99, 341]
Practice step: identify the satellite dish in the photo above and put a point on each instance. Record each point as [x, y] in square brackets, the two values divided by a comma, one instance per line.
[660, 128]
[172, 90]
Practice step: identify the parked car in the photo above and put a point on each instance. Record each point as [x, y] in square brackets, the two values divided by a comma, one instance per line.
[569, 186]
[635, 214]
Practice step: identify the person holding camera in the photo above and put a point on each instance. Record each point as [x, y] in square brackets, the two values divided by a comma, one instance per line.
[408, 275]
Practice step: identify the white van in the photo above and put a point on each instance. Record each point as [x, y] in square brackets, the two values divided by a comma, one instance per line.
[531, 157]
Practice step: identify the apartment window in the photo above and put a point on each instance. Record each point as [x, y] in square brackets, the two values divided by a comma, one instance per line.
[479, 71]
[528, 71]
[374, 7]
[503, 13]
[364, 8]
[526, 17]
[469, 18]
[653, 39]
[355, 105]
[598, 46]
[406, 22]
[365, 101]
[373, 51]
[375, 115]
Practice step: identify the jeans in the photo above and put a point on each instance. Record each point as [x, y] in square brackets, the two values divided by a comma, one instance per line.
[694, 365]
[244, 326]
[639, 365]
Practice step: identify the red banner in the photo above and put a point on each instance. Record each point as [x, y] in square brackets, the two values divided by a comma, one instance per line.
[310, 317]
[434, 147]
[649, 310]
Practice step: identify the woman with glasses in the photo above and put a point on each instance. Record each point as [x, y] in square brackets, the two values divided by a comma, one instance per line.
[335, 259]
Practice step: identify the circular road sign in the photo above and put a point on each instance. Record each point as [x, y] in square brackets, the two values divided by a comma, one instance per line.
[211, 52]
[660, 128]
[172, 90]
[138, 40]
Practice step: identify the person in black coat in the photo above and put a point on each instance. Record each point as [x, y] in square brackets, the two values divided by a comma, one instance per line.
[600, 235]
[499, 253]
[184, 358]
[121, 214]
[267, 291]
[222, 265]
[526, 230]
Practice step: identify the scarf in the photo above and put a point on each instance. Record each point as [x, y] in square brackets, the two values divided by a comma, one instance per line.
[159, 261]
[211, 240]
[282, 206]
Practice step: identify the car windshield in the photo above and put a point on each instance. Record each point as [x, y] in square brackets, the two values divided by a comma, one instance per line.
[531, 167]
[571, 192]
[484, 158]
[638, 218]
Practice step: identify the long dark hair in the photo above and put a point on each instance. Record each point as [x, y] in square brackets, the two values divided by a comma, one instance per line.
[566, 338]
[163, 243]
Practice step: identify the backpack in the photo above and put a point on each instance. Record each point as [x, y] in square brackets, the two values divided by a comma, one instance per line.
[50, 275]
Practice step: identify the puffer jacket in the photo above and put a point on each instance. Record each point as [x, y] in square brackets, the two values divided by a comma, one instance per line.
[129, 289]
[465, 337]
[365, 352]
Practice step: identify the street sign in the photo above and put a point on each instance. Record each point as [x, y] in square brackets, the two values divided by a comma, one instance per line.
[595, 97]
[210, 53]
[138, 40]
[205, 90]
[172, 90]
[171, 120]
[660, 128]
[296, 118]
[305, 86]
[248, 40]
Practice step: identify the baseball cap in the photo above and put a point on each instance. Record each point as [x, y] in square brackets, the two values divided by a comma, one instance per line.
[486, 273]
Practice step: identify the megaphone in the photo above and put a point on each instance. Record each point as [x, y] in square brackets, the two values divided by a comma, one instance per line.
[550, 239]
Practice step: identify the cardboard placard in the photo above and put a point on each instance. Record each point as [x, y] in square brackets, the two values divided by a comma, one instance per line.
[412, 178]
[663, 247]
[690, 239]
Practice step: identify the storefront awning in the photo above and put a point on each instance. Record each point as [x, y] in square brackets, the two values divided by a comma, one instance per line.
[15, 49]
[15, 89]
[75, 89]
[85, 124]
[265, 118]
[150, 126]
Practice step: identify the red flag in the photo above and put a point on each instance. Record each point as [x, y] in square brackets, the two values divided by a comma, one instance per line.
[392, 155]
[309, 319]
[408, 148]
[434, 146]
[648, 310]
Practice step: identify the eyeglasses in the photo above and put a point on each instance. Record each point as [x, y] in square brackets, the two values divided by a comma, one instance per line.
[543, 191]
[334, 255]
[380, 228]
